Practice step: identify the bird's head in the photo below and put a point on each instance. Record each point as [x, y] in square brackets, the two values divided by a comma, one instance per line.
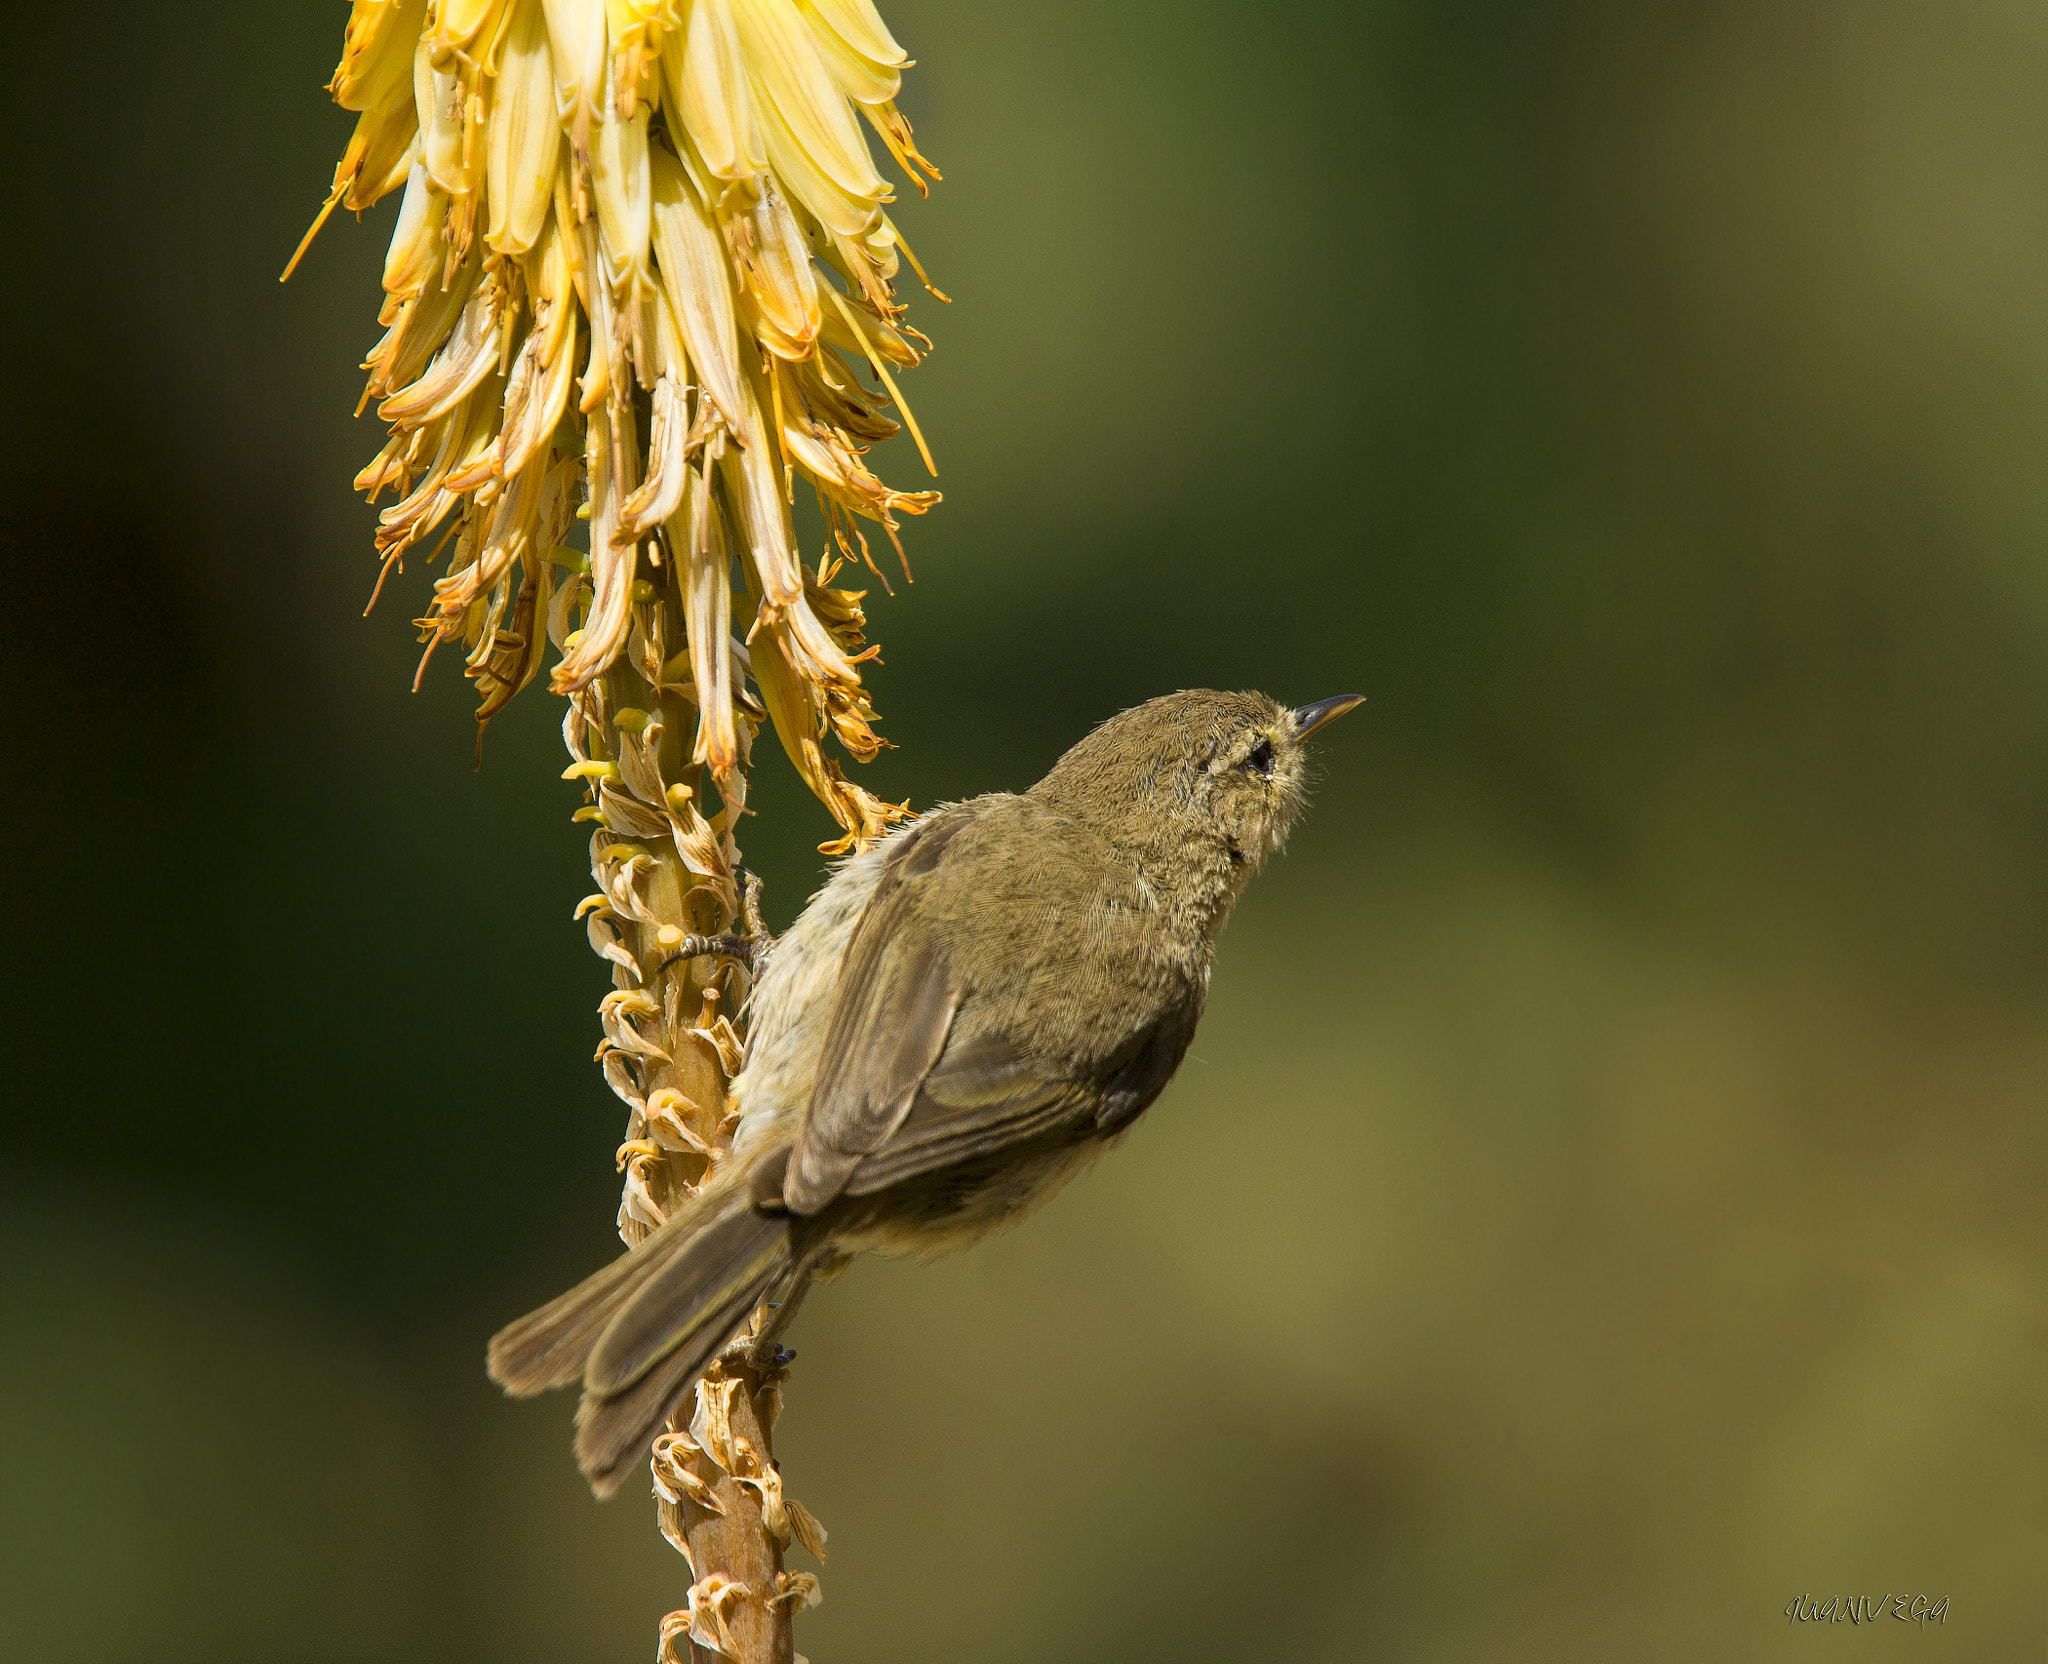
[1201, 783]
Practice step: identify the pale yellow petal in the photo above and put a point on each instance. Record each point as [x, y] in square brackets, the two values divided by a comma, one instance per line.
[637, 25]
[525, 135]
[784, 65]
[509, 533]
[378, 157]
[809, 184]
[376, 53]
[707, 609]
[466, 433]
[587, 266]
[550, 287]
[853, 260]
[670, 355]
[789, 704]
[668, 465]
[819, 656]
[754, 480]
[411, 343]
[576, 39]
[472, 351]
[478, 472]
[861, 78]
[696, 276]
[707, 85]
[449, 105]
[612, 564]
[776, 265]
[469, 30]
[417, 252]
[535, 401]
[619, 168]
[860, 27]
[538, 397]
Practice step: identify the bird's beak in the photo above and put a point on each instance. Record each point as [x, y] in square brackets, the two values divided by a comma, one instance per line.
[1308, 718]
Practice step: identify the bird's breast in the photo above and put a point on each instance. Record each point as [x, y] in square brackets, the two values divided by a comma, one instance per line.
[791, 1009]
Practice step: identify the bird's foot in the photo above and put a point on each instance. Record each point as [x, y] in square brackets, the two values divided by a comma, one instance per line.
[750, 945]
[751, 922]
[762, 1354]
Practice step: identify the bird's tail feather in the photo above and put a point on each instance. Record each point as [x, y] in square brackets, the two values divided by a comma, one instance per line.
[641, 1330]
[614, 1431]
[549, 1346]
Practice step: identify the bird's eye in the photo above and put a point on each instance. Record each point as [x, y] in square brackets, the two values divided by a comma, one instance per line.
[1260, 762]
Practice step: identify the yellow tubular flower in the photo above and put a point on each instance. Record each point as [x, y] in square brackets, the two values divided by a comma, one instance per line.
[644, 239]
[640, 272]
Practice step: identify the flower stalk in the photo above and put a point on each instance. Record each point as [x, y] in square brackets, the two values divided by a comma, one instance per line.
[642, 283]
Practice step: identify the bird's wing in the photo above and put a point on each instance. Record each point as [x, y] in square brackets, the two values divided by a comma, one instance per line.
[988, 1092]
[984, 1093]
[897, 997]
[913, 1080]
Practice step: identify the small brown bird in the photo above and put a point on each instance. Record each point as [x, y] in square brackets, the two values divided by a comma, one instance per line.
[965, 1016]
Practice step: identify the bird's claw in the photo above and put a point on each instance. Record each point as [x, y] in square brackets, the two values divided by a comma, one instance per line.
[750, 945]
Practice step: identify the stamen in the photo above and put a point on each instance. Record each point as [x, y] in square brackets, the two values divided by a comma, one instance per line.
[903, 244]
[889, 382]
[312, 231]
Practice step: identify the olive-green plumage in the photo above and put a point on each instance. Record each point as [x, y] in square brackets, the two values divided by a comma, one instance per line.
[964, 1017]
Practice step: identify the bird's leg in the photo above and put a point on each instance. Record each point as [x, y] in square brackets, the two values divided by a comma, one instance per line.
[764, 1351]
[761, 1349]
[750, 945]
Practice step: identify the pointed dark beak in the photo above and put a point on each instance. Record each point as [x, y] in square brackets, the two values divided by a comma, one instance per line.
[1308, 718]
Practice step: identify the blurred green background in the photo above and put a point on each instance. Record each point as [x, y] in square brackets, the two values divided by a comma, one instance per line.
[1606, 1199]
